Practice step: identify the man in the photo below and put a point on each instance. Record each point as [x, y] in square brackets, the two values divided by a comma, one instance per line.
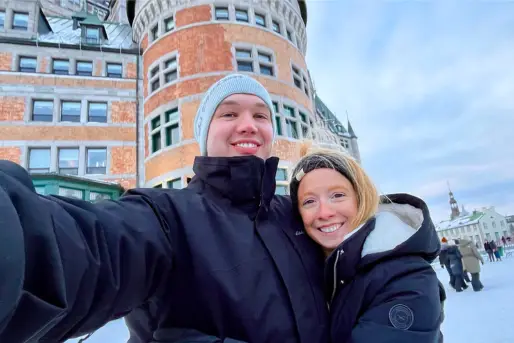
[220, 257]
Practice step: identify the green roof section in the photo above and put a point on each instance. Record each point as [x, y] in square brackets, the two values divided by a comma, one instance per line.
[329, 118]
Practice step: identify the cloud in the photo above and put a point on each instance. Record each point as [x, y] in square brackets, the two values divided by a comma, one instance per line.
[428, 86]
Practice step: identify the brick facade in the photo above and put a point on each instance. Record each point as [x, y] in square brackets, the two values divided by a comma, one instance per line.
[123, 112]
[193, 15]
[123, 160]
[131, 70]
[11, 154]
[5, 60]
[67, 133]
[69, 81]
[187, 117]
[12, 108]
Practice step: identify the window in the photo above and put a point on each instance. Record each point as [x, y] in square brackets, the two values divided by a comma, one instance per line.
[494, 225]
[155, 32]
[278, 121]
[242, 15]
[291, 124]
[96, 161]
[114, 70]
[97, 112]
[155, 134]
[221, 13]
[289, 35]
[171, 127]
[20, 21]
[92, 35]
[462, 229]
[39, 160]
[297, 78]
[27, 64]
[169, 24]
[477, 239]
[70, 111]
[304, 124]
[42, 110]
[244, 60]
[69, 161]
[502, 223]
[276, 26]
[468, 228]
[170, 70]
[281, 190]
[97, 196]
[71, 193]
[175, 183]
[61, 67]
[260, 20]
[488, 236]
[155, 82]
[305, 85]
[2, 19]
[84, 68]
[281, 174]
[485, 226]
[265, 63]
[505, 234]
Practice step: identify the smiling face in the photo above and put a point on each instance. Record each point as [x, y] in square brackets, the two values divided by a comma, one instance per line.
[328, 205]
[242, 125]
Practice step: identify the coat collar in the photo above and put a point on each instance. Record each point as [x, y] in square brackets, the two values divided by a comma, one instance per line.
[245, 181]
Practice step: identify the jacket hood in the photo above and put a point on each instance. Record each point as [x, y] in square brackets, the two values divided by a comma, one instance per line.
[465, 242]
[401, 227]
[247, 181]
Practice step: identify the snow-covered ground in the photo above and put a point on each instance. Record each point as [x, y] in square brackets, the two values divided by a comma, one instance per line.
[471, 317]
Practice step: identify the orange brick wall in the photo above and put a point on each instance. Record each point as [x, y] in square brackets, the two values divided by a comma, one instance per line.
[123, 112]
[5, 60]
[179, 157]
[193, 15]
[131, 70]
[11, 154]
[98, 68]
[11, 109]
[187, 116]
[44, 62]
[73, 133]
[126, 183]
[123, 160]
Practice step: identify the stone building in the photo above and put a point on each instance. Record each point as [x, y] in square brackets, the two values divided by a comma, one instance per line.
[115, 100]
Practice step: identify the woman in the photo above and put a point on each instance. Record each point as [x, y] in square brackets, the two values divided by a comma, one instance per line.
[380, 286]
[471, 259]
[455, 260]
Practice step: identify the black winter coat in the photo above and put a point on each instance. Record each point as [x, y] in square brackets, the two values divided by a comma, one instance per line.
[225, 257]
[455, 259]
[380, 284]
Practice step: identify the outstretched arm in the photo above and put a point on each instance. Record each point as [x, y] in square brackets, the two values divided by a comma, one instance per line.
[68, 266]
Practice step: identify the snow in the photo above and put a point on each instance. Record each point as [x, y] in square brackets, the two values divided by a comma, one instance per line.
[471, 317]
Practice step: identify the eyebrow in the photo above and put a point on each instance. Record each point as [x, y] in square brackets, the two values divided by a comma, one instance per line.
[232, 102]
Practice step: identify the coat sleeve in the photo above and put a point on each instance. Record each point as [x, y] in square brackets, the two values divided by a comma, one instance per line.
[477, 254]
[69, 266]
[407, 309]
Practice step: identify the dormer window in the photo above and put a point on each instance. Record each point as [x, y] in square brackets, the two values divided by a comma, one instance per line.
[92, 35]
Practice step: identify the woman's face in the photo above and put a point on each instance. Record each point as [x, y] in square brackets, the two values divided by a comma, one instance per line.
[328, 205]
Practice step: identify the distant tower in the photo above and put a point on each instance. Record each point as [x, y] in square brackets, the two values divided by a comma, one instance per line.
[353, 140]
[453, 204]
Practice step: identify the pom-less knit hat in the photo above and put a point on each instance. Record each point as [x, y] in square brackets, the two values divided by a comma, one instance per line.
[229, 85]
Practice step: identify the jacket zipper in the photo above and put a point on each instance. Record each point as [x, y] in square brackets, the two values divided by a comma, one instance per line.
[339, 253]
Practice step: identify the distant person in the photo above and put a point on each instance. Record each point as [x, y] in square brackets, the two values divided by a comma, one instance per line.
[489, 251]
[504, 240]
[494, 249]
[445, 261]
[470, 259]
[455, 258]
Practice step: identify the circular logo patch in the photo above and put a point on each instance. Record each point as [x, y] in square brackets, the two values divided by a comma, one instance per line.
[401, 316]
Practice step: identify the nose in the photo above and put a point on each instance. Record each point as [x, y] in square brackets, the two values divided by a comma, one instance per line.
[325, 210]
[246, 124]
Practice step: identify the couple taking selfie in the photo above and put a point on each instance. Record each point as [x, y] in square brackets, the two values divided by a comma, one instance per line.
[224, 259]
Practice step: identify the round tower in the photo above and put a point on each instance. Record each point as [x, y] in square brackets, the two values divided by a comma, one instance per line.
[187, 46]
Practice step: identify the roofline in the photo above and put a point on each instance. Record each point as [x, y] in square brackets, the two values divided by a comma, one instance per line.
[74, 178]
[131, 9]
[24, 41]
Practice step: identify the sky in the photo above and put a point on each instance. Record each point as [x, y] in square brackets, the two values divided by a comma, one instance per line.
[429, 88]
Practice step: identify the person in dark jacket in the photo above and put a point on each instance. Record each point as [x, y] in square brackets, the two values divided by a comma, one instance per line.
[489, 251]
[455, 258]
[221, 257]
[445, 261]
[380, 285]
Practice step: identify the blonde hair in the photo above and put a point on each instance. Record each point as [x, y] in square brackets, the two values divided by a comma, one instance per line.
[368, 197]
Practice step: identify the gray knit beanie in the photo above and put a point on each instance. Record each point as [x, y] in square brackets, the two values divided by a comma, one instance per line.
[229, 85]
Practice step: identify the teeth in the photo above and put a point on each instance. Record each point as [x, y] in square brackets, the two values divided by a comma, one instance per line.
[247, 145]
[329, 229]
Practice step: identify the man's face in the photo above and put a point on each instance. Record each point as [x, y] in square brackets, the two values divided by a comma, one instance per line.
[242, 125]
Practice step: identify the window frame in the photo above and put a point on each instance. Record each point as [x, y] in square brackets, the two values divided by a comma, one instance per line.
[82, 73]
[166, 21]
[242, 10]
[63, 102]
[89, 116]
[2, 14]
[33, 114]
[27, 70]
[263, 16]
[39, 170]
[16, 27]
[59, 71]
[167, 69]
[75, 171]
[221, 8]
[114, 75]
[88, 169]
[161, 129]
